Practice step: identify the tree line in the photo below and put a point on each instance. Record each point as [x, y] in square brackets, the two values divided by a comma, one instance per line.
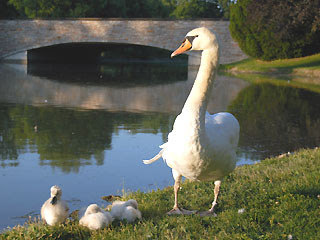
[176, 9]
[272, 29]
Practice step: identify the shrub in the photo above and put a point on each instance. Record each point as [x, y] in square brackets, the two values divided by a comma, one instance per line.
[272, 29]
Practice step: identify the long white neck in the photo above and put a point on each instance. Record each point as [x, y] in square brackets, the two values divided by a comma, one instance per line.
[196, 104]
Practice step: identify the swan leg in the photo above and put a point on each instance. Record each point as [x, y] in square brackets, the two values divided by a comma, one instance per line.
[176, 210]
[210, 212]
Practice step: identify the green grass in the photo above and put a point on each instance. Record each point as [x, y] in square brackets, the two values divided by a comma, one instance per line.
[299, 72]
[307, 83]
[281, 197]
[284, 66]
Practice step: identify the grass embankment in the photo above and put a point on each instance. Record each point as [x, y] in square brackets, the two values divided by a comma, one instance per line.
[280, 198]
[306, 66]
[299, 72]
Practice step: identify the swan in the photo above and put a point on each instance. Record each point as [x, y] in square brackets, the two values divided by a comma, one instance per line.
[54, 210]
[201, 146]
[126, 210]
[95, 218]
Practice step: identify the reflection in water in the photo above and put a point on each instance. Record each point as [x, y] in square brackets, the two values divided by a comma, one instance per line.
[277, 119]
[87, 134]
[119, 74]
[68, 138]
[18, 87]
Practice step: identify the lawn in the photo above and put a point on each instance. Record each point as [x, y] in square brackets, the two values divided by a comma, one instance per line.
[306, 65]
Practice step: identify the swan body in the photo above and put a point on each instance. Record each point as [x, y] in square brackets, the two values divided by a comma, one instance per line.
[54, 210]
[126, 210]
[201, 146]
[95, 218]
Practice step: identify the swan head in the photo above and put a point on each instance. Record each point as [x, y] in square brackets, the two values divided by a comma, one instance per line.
[92, 208]
[56, 193]
[197, 39]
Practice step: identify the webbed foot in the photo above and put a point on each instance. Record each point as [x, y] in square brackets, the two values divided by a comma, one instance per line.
[180, 211]
[207, 213]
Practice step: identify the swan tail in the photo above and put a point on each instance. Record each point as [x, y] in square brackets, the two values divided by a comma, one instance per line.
[155, 158]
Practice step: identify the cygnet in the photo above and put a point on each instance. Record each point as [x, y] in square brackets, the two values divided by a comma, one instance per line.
[95, 218]
[54, 210]
[125, 210]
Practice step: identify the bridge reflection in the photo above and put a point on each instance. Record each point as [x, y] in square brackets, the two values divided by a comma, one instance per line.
[16, 86]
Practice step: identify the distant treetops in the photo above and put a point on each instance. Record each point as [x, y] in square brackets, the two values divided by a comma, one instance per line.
[272, 29]
[179, 9]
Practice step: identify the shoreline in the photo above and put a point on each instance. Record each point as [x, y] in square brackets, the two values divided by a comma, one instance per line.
[272, 195]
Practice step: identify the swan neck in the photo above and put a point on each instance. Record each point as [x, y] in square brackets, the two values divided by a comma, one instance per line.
[198, 99]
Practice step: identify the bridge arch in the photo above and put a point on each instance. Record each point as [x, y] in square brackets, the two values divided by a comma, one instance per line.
[22, 35]
[99, 52]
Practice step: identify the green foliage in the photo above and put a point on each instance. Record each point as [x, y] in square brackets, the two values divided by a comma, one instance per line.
[196, 9]
[225, 7]
[280, 198]
[7, 10]
[67, 8]
[276, 29]
[118, 8]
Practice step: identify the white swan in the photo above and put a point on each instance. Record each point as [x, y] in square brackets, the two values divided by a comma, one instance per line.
[201, 146]
[94, 218]
[54, 210]
[126, 210]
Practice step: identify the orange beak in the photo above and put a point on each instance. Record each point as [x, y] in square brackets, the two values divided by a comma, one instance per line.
[185, 46]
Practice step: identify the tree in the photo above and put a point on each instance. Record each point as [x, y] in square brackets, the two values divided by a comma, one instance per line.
[42, 8]
[225, 7]
[180, 9]
[7, 10]
[197, 9]
[92, 8]
[271, 29]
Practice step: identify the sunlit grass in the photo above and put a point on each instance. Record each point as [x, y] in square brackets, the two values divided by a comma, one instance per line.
[280, 80]
[284, 66]
[279, 197]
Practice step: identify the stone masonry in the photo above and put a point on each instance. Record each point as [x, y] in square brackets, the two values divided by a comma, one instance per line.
[18, 36]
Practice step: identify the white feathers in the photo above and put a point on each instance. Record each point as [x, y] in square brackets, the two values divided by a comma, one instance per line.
[202, 146]
[155, 158]
[126, 210]
[95, 218]
[54, 210]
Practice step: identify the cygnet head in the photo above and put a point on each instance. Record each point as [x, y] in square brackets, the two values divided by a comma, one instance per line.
[92, 208]
[56, 193]
[131, 214]
[197, 39]
[133, 203]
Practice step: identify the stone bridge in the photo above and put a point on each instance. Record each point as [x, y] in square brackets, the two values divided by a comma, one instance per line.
[19, 36]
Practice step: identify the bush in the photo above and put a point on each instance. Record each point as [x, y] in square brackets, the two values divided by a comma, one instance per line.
[272, 29]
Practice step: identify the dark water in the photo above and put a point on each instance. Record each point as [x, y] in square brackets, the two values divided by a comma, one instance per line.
[87, 128]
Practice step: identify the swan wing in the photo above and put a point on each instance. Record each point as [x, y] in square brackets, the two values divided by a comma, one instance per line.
[222, 130]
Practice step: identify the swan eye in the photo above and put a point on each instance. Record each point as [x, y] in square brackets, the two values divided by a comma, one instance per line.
[191, 38]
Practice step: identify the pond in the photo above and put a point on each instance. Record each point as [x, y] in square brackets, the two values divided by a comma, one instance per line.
[87, 128]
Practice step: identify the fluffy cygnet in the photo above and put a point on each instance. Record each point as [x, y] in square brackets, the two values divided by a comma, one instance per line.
[95, 218]
[125, 210]
[54, 210]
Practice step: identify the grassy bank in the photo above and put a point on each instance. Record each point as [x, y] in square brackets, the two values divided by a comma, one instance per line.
[280, 198]
[306, 66]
